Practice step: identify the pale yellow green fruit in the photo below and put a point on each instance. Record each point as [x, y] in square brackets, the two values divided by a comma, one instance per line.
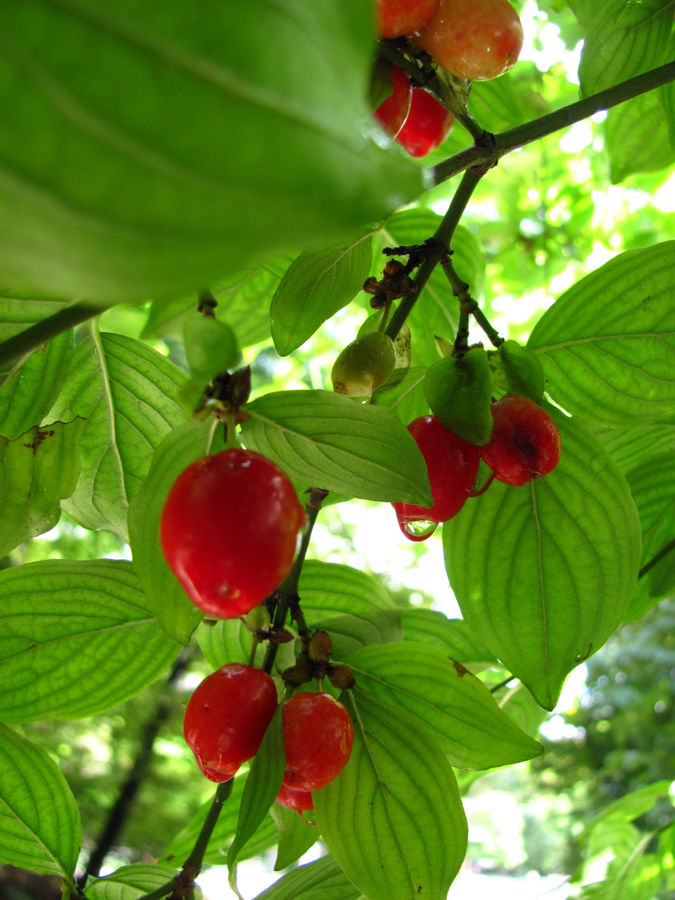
[364, 365]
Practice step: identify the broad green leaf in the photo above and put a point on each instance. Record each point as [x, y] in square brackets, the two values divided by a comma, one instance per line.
[39, 823]
[295, 834]
[77, 638]
[653, 487]
[404, 394]
[17, 315]
[223, 833]
[452, 636]
[149, 150]
[521, 707]
[130, 882]
[348, 632]
[326, 440]
[316, 285]
[375, 817]
[30, 391]
[496, 104]
[261, 788]
[37, 471]
[224, 641]
[629, 807]
[331, 589]
[443, 696]
[607, 344]
[174, 610]
[125, 391]
[621, 40]
[630, 446]
[544, 573]
[637, 138]
[322, 878]
[667, 93]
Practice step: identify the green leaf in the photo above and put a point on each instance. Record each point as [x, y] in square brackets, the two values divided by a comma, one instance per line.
[147, 151]
[296, 835]
[631, 446]
[404, 394]
[443, 696]
[348, 633]
[321, 878]
[398, 774]
[261, 788]
[629, 807]
[637, 138]
[77, 639]
[545, 572]
[331, 589]
[37, 471]
[39, 823]
[127, 882]
[224, 641]
[29, 393]
[166, 597]
[125, 391]
[452, 636]
[223, 833]
[317, 284]
[622, 39]
[17, 315]
[653, 487]
[325, 440]
[607, 344]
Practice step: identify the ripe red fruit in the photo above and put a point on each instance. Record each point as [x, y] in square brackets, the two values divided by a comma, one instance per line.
[229, 529]
[525, 442]
[398, 17]
[392, 112]
[226, 718]
[427, 126]
[299, 800]
[475, 39]
[452, 465]
[318, 736]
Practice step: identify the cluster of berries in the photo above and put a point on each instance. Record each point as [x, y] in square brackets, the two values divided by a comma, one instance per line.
[228, 564]
[525, 444]
[470, 39]
[228, 714]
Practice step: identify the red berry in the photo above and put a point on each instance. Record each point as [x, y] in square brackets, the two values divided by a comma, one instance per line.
[229, 529]
[525, 442]
[318, 736]
[475, 39]
[427, 126]
[226, 718]
[299, 800]
[396, 18]
[452, 465]
[392, 112]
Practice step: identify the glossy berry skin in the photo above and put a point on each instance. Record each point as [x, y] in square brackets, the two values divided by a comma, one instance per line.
[318, 737]
[396, 18]
[300, 800]
[392, 112]
[228, 530]
[226, 718]
[427, 126]
[525, 442]
[475, 39]
[452, 465]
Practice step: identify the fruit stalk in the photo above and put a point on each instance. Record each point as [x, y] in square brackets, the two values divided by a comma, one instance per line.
[289, 586]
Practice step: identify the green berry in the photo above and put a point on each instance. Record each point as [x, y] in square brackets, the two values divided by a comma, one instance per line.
[458, 391]
[364, 365]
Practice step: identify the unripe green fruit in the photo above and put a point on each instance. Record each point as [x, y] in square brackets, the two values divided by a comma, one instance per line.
[459, 391]
[520, 371]
[364, 365]
[210, 346]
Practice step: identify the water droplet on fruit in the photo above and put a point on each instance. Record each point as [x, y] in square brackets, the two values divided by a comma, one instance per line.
[419, 529]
